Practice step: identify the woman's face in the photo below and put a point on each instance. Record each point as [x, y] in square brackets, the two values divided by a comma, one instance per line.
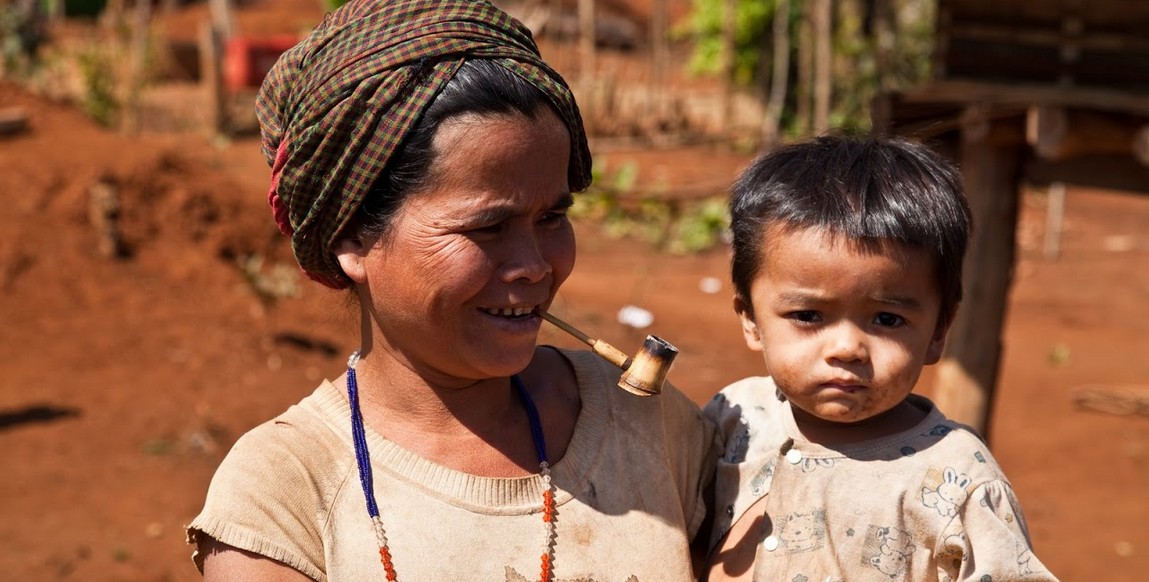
[457, 283]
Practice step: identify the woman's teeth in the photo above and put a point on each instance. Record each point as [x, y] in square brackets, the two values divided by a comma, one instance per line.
[510, 311]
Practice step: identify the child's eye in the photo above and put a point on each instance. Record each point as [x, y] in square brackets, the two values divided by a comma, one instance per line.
[805, 316]
[889, 320]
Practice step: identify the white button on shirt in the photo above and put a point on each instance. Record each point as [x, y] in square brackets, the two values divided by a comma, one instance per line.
[794, 456]
[770, 543]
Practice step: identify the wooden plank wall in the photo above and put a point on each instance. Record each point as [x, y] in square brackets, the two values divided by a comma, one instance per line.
[1066, 43]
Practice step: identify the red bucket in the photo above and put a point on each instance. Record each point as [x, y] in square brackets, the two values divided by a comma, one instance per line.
[246, 60]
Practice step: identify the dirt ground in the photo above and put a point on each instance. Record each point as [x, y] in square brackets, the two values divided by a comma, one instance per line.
[123, 381]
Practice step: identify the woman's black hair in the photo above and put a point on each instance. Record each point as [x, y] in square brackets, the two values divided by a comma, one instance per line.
[481, 87]
[869, 190]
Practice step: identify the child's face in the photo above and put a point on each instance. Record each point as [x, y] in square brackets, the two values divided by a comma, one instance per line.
[844, 332]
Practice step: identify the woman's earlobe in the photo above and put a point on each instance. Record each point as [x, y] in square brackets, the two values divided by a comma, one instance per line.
[352, 255]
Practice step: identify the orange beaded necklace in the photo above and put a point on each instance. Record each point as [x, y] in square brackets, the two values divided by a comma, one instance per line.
[359, 436]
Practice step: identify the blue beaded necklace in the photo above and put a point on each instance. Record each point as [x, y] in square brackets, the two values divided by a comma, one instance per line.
[363, 460]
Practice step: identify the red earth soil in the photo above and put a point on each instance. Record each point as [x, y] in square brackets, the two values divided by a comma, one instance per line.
[125, 380]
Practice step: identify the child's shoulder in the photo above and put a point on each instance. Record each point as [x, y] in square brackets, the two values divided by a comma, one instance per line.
[943, 441]
[741, 398]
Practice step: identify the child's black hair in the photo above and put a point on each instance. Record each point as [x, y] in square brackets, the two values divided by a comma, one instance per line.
[869, 190]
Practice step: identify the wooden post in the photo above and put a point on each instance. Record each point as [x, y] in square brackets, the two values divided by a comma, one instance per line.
[586, 41]
[589, 101]
[1054, 220]
[223, 18]
[992, 153]
[211, 77]
[138, 74]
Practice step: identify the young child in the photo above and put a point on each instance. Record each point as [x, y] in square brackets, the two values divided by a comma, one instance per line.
[847, 272]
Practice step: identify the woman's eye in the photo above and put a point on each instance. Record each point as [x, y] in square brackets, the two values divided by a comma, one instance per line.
[889, 320]
[553, 218]
[489, 229]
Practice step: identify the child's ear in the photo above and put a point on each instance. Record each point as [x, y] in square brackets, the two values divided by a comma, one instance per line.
[352, 254]
[937, 344]
[750, 331]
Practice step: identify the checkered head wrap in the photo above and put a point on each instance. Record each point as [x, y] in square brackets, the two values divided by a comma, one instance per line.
[336, 106]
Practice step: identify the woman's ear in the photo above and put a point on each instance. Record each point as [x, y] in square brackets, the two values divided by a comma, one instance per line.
[750, 331]
[352, 255]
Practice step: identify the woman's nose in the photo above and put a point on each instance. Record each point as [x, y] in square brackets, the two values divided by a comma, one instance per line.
[526, 259]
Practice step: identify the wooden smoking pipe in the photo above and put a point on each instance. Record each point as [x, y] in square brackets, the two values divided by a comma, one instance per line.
[642, 375]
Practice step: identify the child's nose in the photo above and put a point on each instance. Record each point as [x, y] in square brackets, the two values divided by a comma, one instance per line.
[847, 343]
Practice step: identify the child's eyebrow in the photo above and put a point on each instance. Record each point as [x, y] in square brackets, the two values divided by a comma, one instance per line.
[902, 301]
[807, 298]
[798, 297]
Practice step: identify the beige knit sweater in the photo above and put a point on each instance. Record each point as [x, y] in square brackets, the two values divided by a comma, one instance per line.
[629, 496]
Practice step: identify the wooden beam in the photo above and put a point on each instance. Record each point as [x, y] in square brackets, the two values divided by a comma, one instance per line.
[991, 156]
[1058, 133]
[1113, 172]
[1026, 95]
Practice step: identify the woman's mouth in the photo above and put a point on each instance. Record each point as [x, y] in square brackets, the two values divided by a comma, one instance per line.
[510, 312]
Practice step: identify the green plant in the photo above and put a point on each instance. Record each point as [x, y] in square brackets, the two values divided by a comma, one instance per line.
[701, 227]
[667, 224]
[21, 34]
[870, 53]
[98, 76]
[705, 25]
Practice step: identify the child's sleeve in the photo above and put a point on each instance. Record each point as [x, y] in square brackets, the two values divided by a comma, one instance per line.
[988, 539]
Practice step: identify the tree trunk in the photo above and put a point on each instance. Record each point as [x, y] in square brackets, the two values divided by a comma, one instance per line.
[660, 58]
[779, 75]
[729, 60]
[805, 86]
[882, 27]
[823, 67]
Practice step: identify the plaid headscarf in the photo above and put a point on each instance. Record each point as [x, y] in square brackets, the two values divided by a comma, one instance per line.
[335, 107]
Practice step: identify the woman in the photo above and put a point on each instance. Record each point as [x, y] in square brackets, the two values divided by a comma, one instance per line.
[424, 156]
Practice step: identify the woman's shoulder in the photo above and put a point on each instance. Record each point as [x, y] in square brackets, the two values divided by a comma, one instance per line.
[598, 378]
[271, 492]
[295, 455]
[306, 428]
